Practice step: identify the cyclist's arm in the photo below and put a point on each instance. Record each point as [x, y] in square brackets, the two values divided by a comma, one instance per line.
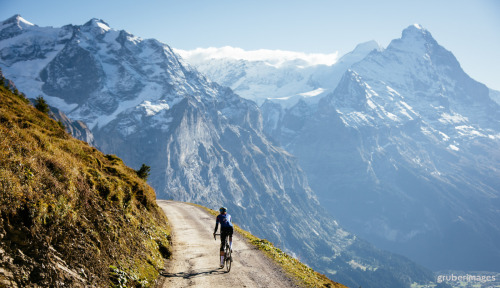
[216, 225]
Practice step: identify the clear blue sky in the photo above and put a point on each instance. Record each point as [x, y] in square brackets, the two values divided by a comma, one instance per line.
[470, 29]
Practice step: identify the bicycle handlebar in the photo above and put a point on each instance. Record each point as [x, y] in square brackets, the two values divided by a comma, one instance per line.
[215, 236]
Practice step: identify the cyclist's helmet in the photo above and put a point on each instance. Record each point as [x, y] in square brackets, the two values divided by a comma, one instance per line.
[222, 209]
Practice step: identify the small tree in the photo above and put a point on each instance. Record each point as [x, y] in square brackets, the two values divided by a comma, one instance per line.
[143, 172]
[41, 105]
[59, 122]
[2, 79]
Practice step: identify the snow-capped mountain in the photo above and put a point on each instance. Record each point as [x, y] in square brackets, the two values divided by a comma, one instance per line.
[405, 151]
[283, 77]
[204, 143]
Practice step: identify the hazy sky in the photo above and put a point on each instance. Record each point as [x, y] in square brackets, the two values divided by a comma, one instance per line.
[469, 29]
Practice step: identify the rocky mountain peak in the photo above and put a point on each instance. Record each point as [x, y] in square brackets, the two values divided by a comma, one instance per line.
[360, 52]
[94, 22]
[415, 39]
[97, 26]
[18, 21]
[366, 47]
[417, 32]
[13, 26]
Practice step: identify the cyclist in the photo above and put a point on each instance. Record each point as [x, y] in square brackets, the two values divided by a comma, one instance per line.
[226, 229]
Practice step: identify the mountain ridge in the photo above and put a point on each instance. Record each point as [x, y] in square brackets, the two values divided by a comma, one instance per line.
[405, 135]
[137, 112]
[292, 80]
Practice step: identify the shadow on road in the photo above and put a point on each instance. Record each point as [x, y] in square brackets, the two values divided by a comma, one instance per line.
[192, 274]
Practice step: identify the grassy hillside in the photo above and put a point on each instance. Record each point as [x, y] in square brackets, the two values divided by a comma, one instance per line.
[69, 215]
[304, 275]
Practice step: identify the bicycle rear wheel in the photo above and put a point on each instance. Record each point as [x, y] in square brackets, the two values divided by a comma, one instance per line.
[228, 258]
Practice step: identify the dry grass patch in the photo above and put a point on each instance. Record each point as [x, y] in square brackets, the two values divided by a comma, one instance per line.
[65, 204]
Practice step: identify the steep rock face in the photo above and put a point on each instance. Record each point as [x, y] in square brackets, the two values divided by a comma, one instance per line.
[203, 143]
[76, 128]
[495, 96]
[405, 151]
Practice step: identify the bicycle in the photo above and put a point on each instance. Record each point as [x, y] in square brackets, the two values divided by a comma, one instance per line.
[227, 252]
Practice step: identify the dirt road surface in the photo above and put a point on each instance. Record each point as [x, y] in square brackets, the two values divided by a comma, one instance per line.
[195, 257]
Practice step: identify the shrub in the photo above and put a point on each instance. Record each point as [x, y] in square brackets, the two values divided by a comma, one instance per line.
[41, 105]
[143, 172]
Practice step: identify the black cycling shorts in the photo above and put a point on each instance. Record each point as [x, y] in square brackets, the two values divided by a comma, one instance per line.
[224, 232]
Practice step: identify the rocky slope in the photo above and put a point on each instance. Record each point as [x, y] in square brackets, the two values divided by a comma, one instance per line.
[70, 215]
[204, 143]
[76, 128]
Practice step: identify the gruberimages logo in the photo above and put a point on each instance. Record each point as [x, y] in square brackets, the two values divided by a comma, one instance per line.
[465, 278]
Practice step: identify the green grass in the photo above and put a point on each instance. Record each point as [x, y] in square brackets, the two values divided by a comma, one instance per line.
[61, 197]
[304, 275]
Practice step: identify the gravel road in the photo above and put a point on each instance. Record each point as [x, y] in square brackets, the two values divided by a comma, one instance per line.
[195, 257]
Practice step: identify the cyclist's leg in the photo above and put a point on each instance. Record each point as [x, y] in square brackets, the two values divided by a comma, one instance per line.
[230, 232]
[223, 236]
[222, 241]
[222, 244]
